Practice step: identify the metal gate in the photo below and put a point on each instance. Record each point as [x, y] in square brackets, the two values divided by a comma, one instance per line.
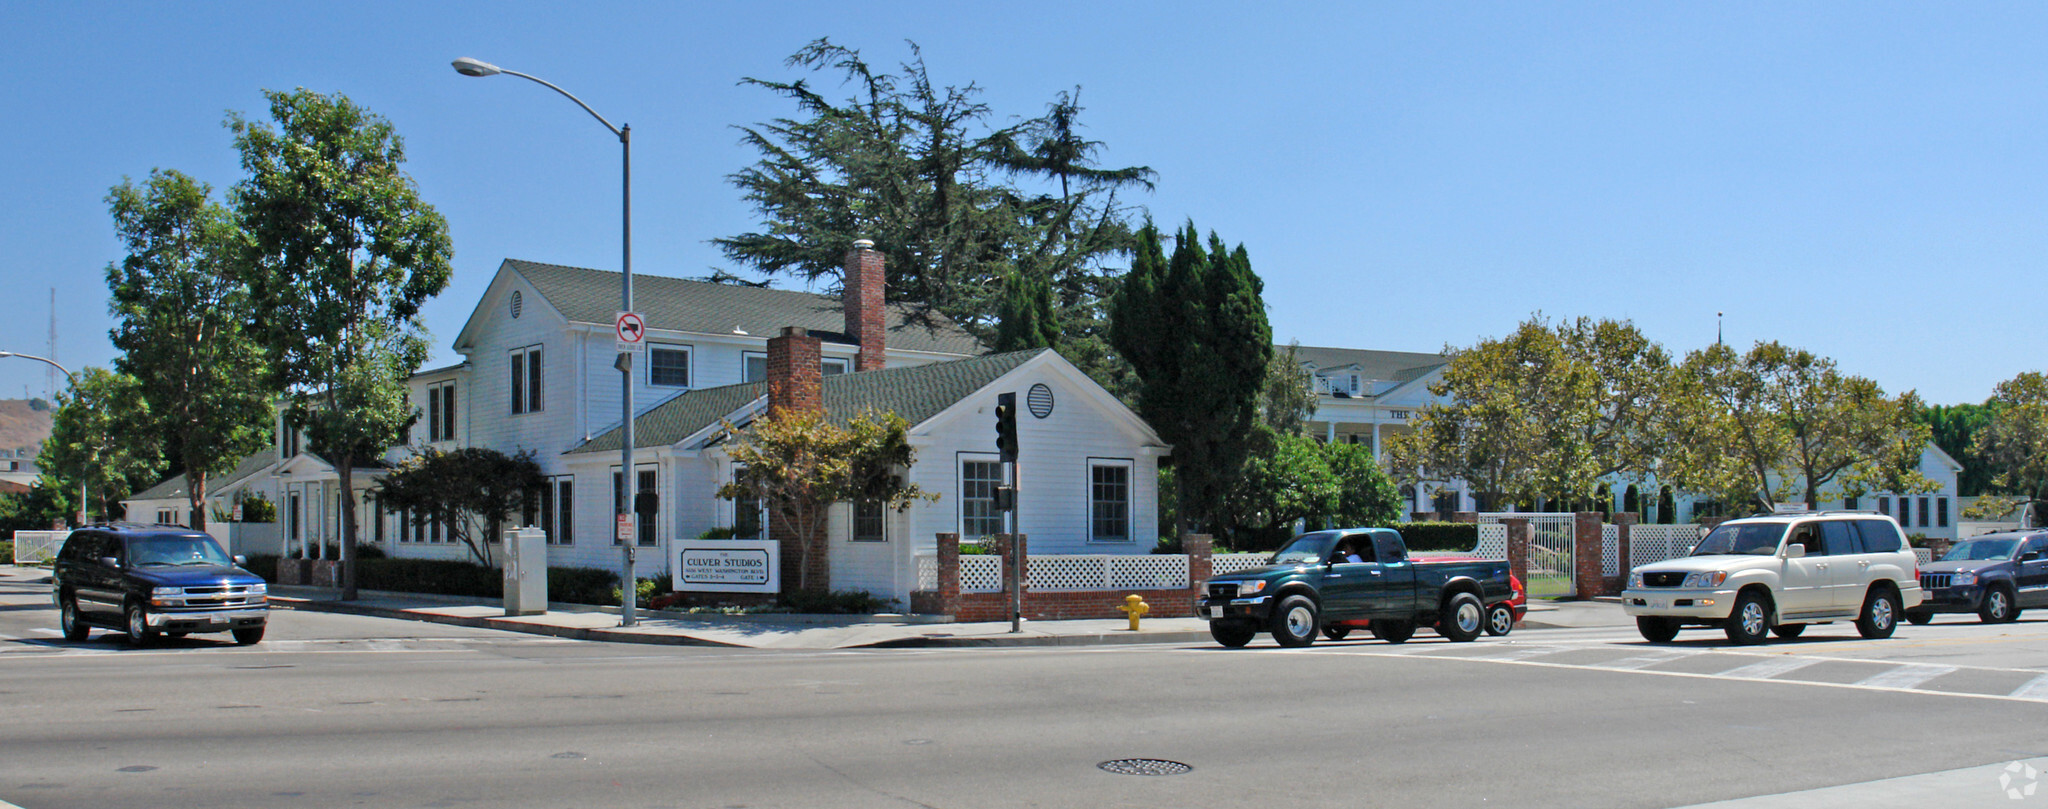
[1551, 549]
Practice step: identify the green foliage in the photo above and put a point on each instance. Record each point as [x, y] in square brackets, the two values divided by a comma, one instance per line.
[103, 432]
[43, 505]
[716, 533]
[1025, 318]
[257, 508]
[263, 565]
[1440, 536]
[1954, 428]
[1194, 331]
[344, 253]
[181, 321]
[1366, 496]
[1289, 478]
[451, 486]
[644, 593]
[952, 198]
[1288, 398]
[836, 602]
[2015, 443]
[583, 585]
[800, 462]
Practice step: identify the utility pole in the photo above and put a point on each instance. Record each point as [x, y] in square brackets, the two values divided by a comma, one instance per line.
[1006, 498]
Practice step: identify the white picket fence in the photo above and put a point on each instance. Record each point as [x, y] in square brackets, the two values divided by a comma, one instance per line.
[37, 547]
[1069, 573]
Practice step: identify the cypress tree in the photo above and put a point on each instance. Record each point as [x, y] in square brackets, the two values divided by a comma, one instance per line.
[1025, 317]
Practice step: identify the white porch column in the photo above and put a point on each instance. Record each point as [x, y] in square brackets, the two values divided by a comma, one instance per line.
[1330, 432]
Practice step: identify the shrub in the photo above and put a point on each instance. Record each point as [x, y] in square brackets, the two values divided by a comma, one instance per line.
[582, 585]
[716, 533]
[6, 551]
[433, 576]
[837, 602]
[264, 565]
[1440, 536]
[364, 550]
[645, 593]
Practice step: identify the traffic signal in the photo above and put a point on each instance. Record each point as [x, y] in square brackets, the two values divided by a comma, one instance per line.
[1006, 426]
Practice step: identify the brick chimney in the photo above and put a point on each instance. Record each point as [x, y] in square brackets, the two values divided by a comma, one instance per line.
[793, 372]
[866, 317]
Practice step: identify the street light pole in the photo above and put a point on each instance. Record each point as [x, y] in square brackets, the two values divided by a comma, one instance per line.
[73, 379]
[628, 481]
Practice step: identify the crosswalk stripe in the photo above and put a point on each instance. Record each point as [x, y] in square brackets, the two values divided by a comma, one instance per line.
[1640, 661]
[1766, 669]
[2036, 688]
[1908, 675]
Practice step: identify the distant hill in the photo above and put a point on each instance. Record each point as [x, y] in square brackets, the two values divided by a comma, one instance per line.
[24, 423]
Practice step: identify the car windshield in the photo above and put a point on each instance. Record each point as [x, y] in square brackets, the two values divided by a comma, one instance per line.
[175, 551]
[1306, 549]
[1976, 549]
[1742, 539]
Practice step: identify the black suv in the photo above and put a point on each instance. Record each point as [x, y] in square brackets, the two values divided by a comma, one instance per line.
[1995, 576]
[146, 579]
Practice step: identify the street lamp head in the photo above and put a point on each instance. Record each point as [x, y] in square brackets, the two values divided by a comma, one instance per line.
[472, 67]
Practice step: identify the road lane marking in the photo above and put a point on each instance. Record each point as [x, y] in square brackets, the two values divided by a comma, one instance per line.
[1767, 669]
[1640, 661]
[1907, 675]
[2036, 688]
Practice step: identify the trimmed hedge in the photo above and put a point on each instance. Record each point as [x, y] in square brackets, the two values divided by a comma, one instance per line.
[573, 585]
[264, 565]
[1440, 536]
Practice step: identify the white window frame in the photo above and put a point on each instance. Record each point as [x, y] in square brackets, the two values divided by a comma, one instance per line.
[960, 481]
[730, 509]
[826, 362]
[689, 364]
[646, 539]
[529, 388]
[853, 522]
[1130, 498]
[746, 360]
[440, 418]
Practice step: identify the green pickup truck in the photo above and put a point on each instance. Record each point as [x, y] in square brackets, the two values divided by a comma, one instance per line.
[1326, 581]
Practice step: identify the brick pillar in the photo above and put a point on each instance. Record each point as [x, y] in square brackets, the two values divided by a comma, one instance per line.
[1012, 547]
[1587, 550]
[1518, 548]
[866, 312]
[1624, 524]
[1465, 516]
[949, 574]
[1199, 548]
[793, 371]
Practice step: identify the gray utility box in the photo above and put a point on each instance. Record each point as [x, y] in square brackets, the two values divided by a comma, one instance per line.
[526, 571]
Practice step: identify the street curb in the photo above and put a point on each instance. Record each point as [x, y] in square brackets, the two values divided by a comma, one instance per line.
[503, 624]
[932, 642]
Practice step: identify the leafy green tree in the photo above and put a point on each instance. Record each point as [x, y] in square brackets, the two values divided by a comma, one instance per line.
[46, 503]
[1283, 479]
[1955, 429]
[1366, 495]
[801, 462]
[345, 252]
[1026, 318]
[460, 486]
[1194, 331]
[1288, 399]
[951, 198]
[181, 321]
[2016, 441]
[103, 434]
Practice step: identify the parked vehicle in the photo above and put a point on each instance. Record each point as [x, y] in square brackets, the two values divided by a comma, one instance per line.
[1778, 573]
[1995, 576]
[143, 580]
[1322, 582]
[1501, 616]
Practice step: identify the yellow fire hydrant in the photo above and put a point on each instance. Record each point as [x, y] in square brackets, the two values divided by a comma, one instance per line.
[1134, 607]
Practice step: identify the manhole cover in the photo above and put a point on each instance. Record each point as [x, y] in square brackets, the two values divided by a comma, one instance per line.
[1144, 766]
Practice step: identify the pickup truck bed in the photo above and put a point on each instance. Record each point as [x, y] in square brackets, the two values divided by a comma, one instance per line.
[1329, 580]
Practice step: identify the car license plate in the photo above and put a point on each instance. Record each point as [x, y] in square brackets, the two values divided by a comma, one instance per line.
[1215, 612]
[1659, 603]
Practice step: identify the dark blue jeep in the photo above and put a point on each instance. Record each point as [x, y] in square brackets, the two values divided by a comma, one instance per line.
[148, 579]
[1995, 576]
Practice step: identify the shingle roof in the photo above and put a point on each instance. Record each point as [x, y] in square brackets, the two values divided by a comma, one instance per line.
[1395, 366]
[592, 296]
[916, 393]
[174, 488]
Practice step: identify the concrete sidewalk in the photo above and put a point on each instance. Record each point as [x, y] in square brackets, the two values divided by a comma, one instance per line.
[783, 631]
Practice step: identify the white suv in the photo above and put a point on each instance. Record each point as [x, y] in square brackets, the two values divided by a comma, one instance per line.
[1778, 573]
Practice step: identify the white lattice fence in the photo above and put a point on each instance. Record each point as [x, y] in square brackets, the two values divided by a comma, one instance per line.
[1107, 572]
[1493, 542]
[927, 572]
[1656, 543]
[1924, 554]
[1610, 550]
[980, 574]
[1234, 562]
[37, 547]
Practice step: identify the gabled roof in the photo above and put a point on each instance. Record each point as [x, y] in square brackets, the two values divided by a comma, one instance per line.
[177, 487]
[1393, 366]
[916, 393]
[592, 296]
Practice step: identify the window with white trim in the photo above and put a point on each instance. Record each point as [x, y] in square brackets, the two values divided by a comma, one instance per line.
[1109, 500]
[979, 480]
[668, 365]
[526, 379]
[754, 366]
[832, 366]
[551, 508]
[166, 516]
[749, 515]
[645, 525]
[440, 421]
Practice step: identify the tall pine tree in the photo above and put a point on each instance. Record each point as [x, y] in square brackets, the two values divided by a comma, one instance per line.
[1194, 330]
[1025, 316]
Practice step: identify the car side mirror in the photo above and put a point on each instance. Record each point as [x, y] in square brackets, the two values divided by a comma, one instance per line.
[109, 561]
[241, 560]
[1795, 551]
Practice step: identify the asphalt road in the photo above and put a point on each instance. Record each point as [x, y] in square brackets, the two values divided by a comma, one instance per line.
[338, 710]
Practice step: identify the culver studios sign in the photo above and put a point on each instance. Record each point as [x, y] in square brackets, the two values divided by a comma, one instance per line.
[726, 566]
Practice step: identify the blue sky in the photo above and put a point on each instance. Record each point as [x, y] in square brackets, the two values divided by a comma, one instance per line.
[1865, 180]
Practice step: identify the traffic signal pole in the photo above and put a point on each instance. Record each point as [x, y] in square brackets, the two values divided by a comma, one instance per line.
[1006, 444]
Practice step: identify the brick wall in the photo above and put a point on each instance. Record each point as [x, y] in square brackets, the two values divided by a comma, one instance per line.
[793, 372]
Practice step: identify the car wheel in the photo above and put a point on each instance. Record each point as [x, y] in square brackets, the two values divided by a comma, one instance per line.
[1997, 607]
[254, 634]
[1655, 629]
[1336, 632]
[1393, 631]
[139, 631]
[1919, 617]
[1880, 615]
[67, 617]
[1464, 619]
[1500, 619]
[1750, 621]
[1295, 622]
[1788, 631]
